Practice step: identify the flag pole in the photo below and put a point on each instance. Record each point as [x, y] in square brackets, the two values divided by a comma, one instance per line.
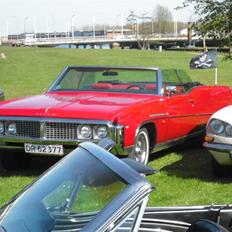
[216, 76]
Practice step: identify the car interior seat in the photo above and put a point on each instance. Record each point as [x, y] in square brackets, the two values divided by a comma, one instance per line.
[204, 225]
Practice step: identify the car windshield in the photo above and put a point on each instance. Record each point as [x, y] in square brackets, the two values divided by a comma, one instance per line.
[127, 80]
[107, 80]
[65, 198]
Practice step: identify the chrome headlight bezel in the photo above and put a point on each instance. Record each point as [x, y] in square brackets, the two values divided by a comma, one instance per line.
[100, 132]
[11, 128]
[84, 132]
[219, 127]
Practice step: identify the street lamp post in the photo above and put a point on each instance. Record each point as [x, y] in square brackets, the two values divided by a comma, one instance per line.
[35, 31]
[47, 22]
[94, 29]
[175, 26]
[16, 23]
[25, 20]
[122, 29]
[54, 25]
[72, 25]
[67, 30]
[7, 29]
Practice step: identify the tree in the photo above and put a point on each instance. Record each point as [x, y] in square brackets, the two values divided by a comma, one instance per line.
[132, 20]
[215, 19]
[163, 17]
[141, 26]
[143, 30]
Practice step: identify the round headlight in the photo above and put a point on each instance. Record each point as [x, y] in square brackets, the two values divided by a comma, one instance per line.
[216, 126]
[11, 128]
[228, 130]
[1, 128]
[101, 132]
[85, 132]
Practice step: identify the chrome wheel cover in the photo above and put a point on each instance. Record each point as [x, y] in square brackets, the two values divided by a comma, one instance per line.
[141, 148]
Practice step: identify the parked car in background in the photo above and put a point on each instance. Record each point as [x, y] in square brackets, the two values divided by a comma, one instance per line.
[219, 140]
[142, 109]
[93, 191]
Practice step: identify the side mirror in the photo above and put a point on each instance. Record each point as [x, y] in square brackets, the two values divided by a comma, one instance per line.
[204, 225]
[2, 97]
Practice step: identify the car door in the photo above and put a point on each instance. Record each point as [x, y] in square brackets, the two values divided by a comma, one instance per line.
[182, 119]
[209, 99]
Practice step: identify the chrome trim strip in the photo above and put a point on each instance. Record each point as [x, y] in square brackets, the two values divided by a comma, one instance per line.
[218, 146]
[177, 116]
[159, 81]
[42, 130]
[159, 115]
[140, 215]
[120, 139]
[158, 73]
[39, 119]
[189, 115]
[8, 139]
[168, 222]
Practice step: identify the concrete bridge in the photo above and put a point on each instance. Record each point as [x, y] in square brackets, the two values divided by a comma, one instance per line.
[129, 41]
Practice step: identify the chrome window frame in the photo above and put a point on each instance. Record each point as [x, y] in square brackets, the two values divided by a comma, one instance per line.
[157, 77]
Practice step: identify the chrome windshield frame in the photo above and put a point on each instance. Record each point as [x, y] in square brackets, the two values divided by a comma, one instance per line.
[157, 77]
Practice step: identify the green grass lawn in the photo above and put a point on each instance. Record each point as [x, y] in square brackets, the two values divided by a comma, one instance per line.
[185, 175]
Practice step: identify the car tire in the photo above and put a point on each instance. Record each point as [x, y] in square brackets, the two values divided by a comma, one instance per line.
[15, 161]
[141, 148]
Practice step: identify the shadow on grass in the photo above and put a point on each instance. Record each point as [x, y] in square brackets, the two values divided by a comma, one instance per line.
[38, 166]
[195, 163]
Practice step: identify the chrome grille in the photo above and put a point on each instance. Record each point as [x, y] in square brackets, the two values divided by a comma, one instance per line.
[28, 129]
[60, 131]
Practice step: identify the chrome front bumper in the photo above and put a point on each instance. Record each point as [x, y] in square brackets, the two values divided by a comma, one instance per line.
[16, 143]
[222, 153]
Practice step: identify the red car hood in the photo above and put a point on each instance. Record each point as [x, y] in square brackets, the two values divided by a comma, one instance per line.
[82, 105]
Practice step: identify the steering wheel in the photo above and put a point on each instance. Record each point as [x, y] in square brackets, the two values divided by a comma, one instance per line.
[134, 85]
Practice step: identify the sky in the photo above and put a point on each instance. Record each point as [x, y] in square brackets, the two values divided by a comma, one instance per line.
[18, 16]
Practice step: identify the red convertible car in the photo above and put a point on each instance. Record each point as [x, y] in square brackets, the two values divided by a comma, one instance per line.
[142, 109]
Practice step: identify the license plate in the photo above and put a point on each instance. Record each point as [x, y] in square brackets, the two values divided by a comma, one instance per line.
[43, 149]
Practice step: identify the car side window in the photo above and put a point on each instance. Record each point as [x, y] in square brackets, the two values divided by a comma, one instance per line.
[175, 82]
[57, 197]
[92, 198]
